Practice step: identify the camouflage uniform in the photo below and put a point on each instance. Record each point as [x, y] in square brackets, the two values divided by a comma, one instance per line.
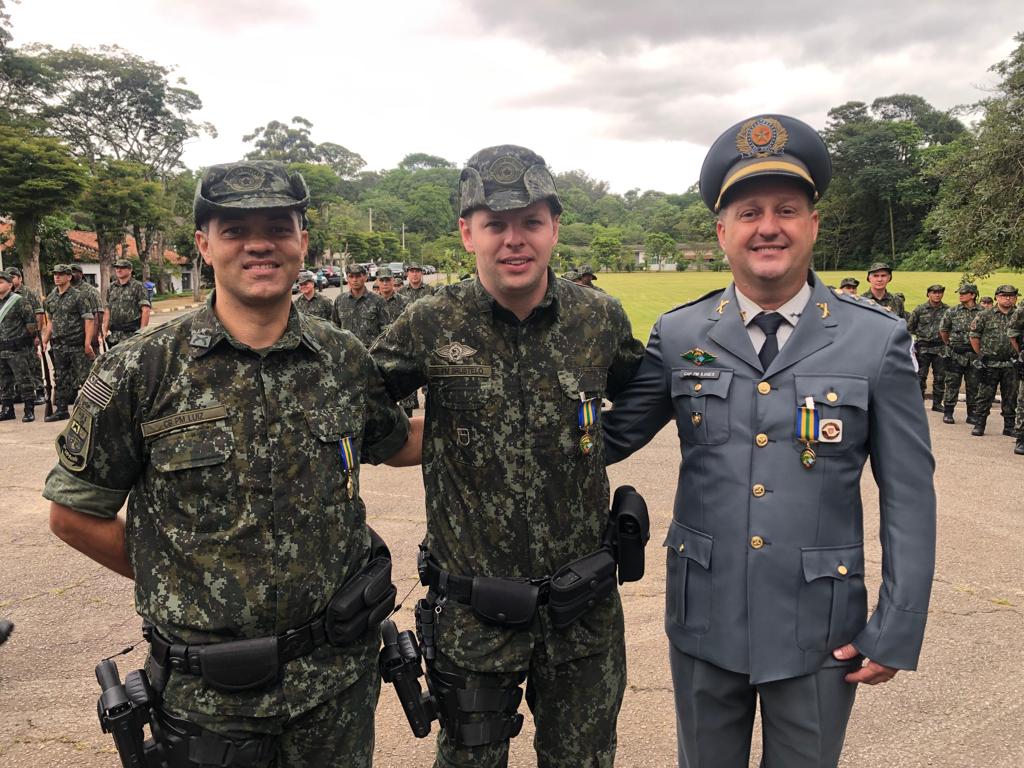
[393, 307]
[924, 323]
[92, 296]
[239, 524]
[411, 294]
[510, 493]
[995, 366]
[68, 312]
[125, 303]
[364, 316]
[894, 302]
[1015, 330]
[31, 359]
[957, 322]
[319, 306]
[17, 373]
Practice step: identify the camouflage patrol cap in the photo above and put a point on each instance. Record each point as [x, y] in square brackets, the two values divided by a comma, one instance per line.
[853, 282]
[572, 274]
[77, 268]
[61, 269]
[305, 276]
[968, 288]
[1006, 290]
[14, 271]
[879, 266]
[384, 273]
[985, 300]
[122, 264]
[246, 186]
[505, 178]
[765, 145]
[5, 275]
[355, 269]
[586, 269]
[414, 265]
[936, 288]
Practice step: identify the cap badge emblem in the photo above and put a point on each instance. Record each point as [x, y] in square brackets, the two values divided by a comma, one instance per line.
[245, 178]
[761, 137]
[455, 352]
[507, 169]
[698, 356]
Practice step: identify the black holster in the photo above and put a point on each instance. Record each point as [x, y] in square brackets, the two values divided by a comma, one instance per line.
[631, 530]
[577, 587]
[399, 664]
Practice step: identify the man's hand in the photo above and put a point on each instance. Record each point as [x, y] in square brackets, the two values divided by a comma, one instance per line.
[871, 673]
[90, 352]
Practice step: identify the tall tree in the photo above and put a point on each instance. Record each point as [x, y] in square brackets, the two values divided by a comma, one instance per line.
[294, 144]
[38, 176]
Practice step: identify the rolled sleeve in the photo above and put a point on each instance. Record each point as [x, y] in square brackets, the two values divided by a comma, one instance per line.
[72, 491]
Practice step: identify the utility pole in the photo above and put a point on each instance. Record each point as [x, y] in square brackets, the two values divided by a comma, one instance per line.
[371, 219]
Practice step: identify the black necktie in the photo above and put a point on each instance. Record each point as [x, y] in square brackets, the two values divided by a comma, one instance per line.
[768, 322]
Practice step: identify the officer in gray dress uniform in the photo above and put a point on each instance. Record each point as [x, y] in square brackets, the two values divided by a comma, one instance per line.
[781, 390]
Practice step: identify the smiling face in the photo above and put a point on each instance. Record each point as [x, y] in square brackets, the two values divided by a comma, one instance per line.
[255, 255]
[513, 249]
[767, 230]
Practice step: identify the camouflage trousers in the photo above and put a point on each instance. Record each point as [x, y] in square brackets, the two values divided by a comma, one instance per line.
[575, 707]
[1018, 422]
[1005, 380]
[933, 360]
[70, 370]
[959, 368]
[17, 376]
[337, 733]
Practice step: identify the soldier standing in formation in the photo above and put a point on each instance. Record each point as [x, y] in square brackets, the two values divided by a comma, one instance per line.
[71, 317]
[990, 339]
[310, 302]
[128, 306]
[924, 324]
[585, 276]
[17, 336]
[879, 276]
[394, 303]
[955, 329]
[358, 310]
[223, 430]
[849, 285]
[92, 295]
[1016, 333]
[513, 467]
[37, 307]
[415, 289]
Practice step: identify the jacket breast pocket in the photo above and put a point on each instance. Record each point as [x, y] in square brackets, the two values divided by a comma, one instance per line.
[330, 449]
[688, 592]
[193, 476]
[464, 413]
[842, 405]
[833, 600]
[702, 406]
[577, 412]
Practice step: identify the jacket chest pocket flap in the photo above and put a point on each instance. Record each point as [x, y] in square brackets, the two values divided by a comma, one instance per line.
[839, 397]
[702, 405]
[193, 448]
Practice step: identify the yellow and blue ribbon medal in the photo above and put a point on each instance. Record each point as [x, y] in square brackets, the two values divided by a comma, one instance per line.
[347, 456]
[587, 419]
[807, 426]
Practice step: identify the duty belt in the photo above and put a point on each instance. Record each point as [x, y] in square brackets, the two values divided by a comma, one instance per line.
[929, 344]
[126, 327]
[63, 341]
[460, 588]
[12, 345]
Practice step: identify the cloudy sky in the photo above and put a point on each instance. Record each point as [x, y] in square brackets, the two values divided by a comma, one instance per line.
[632, 93]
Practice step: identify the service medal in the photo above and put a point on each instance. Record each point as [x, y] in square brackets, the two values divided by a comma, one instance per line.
[808, 457]
[350, 487]
[586, 444]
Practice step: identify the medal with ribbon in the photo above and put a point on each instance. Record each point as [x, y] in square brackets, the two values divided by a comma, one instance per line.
[347, 456]
[807, 426]
[587, 418]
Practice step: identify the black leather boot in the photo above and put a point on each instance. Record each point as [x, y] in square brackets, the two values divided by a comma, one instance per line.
[59, 415]
[979, 426]
[947, 415]
[1008, 429]
[971, 418]
[6, 410]
[30, 411]
[937, 406]
[1019, 448]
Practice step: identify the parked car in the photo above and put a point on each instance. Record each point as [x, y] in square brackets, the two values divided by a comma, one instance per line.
[429, 269]
[397, 269]
[333, 275]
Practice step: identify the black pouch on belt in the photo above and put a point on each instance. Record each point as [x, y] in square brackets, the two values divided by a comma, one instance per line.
[578, 586]
[632, 526]
[505, 602]
[239, 665]
[362, 603]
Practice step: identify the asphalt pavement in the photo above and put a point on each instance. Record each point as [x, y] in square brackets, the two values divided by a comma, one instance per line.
[962, 709]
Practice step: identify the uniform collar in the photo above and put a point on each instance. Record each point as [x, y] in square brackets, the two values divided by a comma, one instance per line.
[208, 331]
[548, 302]
[790, 311]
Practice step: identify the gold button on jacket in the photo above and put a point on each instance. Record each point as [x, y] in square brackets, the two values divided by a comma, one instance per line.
[758, 490]
[756, 542]
[764, 387]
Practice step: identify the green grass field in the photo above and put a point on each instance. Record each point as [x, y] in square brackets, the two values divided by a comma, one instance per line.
[646, 295]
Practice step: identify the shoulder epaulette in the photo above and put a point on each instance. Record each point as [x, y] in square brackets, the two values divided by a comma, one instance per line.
[860, 301]
[707, 295]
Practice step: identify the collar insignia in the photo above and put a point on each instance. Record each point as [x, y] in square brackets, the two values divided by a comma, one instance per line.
[823, 306]
[720, 309]
[455, 352]
[698, 356]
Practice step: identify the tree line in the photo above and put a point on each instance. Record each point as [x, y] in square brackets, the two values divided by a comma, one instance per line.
[94, 139]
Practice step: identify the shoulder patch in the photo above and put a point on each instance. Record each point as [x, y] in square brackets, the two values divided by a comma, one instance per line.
[74, 444]
[707, 295]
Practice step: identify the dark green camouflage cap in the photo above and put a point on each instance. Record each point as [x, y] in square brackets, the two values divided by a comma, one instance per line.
[936, 288]
[968, 288]
[5, 275]
[305, 276]
[414, 265]
[853, 282]
[246, 186]
[505, 178]
[14, 271]
[122, 264]
[77, 268]
[879, 266]
[586, 269]
[62, 269]
[384, 273]
[1006, 290]
[355, 269]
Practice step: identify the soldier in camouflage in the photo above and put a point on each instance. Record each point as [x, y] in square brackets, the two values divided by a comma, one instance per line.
[71, 323]
[31, 354]
[358, 310]
[309, 302]
[128, 305]
[394, 303]
[1016, 333]
[223, 430]
[929, 350]
[17, 334]
[955, 328]
[585, 276]
[415, 289]
[92, 295]
[515, 487]
[990, 339]
[879, 276]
